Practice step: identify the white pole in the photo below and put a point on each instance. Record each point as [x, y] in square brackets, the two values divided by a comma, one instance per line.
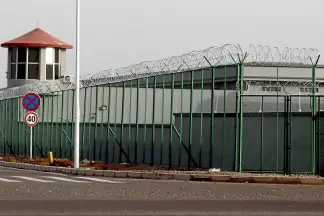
[31, 143]
[77, 89]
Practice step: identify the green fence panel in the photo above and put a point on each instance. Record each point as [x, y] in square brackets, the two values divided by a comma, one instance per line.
[188, 119]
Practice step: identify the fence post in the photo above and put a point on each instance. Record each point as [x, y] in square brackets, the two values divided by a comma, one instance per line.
[318, 138]
[262, 134]
[277, 125]
[95, 126]
[122, 124]
[162, 124]
[84, 122]
[314, 114]
[130, 117]
[171, 121]
[224, 118]
[241, 80]
[286, 134]
[287, 144]
[239, 109]
[212, 123]
[137, 125]
[241, 115]
[190, 118]
[145, 121]
[212, 126]
[153, 121]
[236, 153]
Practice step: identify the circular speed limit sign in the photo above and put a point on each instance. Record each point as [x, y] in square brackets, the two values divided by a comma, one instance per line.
[31, 119]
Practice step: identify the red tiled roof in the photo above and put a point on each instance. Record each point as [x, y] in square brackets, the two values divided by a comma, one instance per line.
[37, 38]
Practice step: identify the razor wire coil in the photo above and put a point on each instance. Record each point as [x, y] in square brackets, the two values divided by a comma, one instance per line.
[228, 54]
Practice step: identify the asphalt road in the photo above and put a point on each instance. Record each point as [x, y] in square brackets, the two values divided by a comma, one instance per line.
[36, 193]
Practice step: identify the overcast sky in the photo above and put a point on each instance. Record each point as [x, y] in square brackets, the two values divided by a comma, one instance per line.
[117, 33]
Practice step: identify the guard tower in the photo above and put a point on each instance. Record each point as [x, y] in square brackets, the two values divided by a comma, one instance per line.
[35, 56]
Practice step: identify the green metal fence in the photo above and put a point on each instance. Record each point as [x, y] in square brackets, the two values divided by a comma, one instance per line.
[202, 118]
[155, 120]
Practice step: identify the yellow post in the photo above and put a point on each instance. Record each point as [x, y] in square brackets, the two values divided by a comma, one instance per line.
[50, 157]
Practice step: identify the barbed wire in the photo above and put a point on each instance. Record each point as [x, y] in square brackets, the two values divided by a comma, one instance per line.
[213, 56]
[266, 54]
[281, 87]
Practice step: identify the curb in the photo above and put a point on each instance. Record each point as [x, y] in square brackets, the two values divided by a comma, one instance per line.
[169, 176]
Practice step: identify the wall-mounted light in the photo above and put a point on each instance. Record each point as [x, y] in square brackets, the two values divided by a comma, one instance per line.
[103, 107]
[94, 115]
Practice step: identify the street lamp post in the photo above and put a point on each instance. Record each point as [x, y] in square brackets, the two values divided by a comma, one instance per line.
[77, 89]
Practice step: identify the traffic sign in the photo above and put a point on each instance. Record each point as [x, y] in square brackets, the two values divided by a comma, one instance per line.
[31, 101]
[31, 119]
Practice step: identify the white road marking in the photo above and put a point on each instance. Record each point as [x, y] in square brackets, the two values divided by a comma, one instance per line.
[8, 180]
[65, 179]
[32, 179]
[99, 180]
[35, 171]
[8, 171]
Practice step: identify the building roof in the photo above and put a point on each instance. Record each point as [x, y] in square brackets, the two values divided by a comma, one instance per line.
[37, 38]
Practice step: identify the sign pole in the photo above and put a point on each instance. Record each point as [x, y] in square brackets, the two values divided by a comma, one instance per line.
[31, 102]
[31, 143]
[77, 89]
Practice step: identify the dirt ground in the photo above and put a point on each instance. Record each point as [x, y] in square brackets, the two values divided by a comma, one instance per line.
[92, 164]
[136, 167]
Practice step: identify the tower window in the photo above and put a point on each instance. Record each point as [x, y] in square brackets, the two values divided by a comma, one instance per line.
[57, 56]
[13, 71]
[57, 71]
[53, 64]
[13, 53]
[33, 71]
[33, 55]
[21, 72]
[24, 63]
[22, 54]
[49, 72]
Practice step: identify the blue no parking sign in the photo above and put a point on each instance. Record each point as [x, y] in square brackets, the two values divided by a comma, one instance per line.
[31, 101]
